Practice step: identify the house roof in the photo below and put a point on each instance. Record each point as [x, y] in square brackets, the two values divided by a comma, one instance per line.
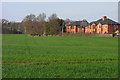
[83, 23]
[92, 22]
[105, 21]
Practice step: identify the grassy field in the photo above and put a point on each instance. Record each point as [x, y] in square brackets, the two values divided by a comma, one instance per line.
[59, 57]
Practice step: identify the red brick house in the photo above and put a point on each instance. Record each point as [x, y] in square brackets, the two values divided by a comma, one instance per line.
[76, 26]
[102, 26]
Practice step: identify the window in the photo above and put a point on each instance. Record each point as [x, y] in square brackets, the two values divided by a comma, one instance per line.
[93, 26]
[114, 27]
[68, 27]
[72, 27]
[99, 26]
[90, 26]
[105, 26]
[99, 32]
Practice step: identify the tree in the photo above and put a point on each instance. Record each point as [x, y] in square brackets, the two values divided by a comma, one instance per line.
[0, 26]
[48, 28]
[41, 17]
[28, 24]
[61, 24]
[11, 27]
[54, 25]
[67, 21]
[5, 28]
[4, 21]
[41, 23]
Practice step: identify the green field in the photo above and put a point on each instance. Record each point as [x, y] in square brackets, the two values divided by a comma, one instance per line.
[59, 57]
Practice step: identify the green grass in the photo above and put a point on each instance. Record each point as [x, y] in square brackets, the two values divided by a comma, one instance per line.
[59, 57]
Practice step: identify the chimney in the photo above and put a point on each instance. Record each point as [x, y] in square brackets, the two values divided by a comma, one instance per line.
[83, 20]
[104, 17]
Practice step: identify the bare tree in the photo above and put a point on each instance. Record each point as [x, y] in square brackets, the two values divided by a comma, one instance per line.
[53, 17]
[41, 17]
[30, 17]
[41, 23]
[67, 20]
[28, 24]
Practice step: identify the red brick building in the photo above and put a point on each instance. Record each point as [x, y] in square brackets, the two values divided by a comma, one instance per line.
[102, 26]
[76, 26]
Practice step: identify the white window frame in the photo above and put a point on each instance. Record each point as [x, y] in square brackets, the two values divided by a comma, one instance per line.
[99, 32]
[105, 26]
[99, 26]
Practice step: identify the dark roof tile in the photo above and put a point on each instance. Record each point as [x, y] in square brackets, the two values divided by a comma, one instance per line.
[105, 21]
[79, 23]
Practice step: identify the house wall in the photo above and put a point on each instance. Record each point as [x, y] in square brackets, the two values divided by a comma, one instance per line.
[74, 29]
[68, 30]
[92, 30]
[98, 29]
[86, 29]
[71, 30]
[78, 30]
[89, 30]
[119, 27]
[111, 28]
[82, 29]
[104, 30]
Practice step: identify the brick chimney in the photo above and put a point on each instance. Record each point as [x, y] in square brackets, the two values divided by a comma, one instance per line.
[84, 20]
[104, 17]
[69, 22]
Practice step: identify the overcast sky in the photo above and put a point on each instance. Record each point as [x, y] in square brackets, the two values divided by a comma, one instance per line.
[91, 11]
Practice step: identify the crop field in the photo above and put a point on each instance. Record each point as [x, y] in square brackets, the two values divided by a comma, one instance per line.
[59, 57]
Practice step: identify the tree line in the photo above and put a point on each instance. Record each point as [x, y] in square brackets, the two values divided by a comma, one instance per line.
[38, 25]
[9, 27]
[32, 24]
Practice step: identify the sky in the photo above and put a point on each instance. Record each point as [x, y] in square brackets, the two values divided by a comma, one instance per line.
[119, 12]
[91, 11]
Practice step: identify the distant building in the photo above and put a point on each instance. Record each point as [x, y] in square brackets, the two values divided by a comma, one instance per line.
[76, 26]
[101, 26]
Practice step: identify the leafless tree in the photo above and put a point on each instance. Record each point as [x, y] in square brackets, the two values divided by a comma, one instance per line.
[41, 17]
[41, 23]
[28, 24]
[67, 20]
